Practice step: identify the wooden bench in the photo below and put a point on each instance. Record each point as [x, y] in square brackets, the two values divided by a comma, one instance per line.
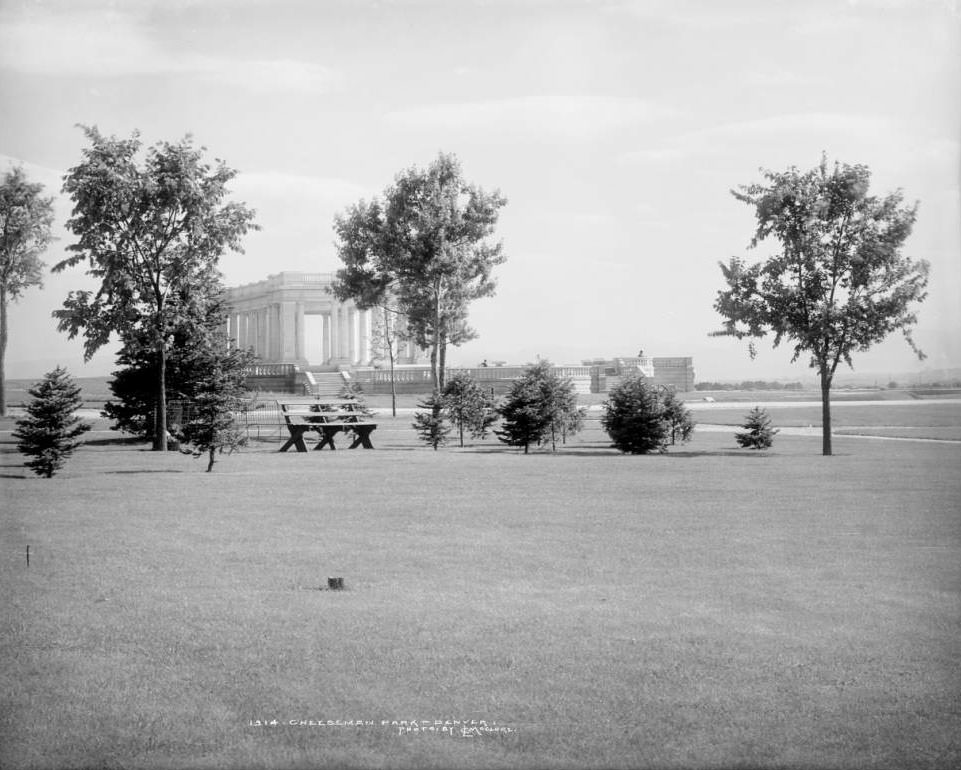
[327, 418]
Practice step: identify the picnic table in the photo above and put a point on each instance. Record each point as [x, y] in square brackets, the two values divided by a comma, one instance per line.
[327, 418]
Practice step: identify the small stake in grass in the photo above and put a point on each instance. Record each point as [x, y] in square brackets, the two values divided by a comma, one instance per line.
[28, 555]
[335, 583]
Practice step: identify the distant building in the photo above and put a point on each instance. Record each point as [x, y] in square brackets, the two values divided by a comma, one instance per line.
[676, 372]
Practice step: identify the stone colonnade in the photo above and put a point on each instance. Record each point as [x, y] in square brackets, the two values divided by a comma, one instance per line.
[268, 317]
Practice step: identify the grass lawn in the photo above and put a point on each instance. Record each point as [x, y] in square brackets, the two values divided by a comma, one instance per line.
[712, 607]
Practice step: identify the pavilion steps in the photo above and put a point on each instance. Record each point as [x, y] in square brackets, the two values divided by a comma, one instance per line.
[324, 384]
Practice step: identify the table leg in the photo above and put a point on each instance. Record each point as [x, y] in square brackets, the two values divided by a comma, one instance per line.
[328, 438]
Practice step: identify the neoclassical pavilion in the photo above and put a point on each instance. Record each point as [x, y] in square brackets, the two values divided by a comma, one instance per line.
[268, 316]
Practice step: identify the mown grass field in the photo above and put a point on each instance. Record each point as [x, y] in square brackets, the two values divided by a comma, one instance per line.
[711, 607]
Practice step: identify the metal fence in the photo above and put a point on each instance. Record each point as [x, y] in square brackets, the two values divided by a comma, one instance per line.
[259, 420]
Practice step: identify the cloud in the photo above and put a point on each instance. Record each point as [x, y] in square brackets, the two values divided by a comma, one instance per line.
[111, 44]
[792, 133]
[564, 117]
[275, 184]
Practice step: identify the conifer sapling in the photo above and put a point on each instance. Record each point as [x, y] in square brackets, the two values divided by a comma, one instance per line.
[50, 431]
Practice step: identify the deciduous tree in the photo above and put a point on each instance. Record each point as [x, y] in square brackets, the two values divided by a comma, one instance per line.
[151, 231]
[25, 221]
[428, 244]
[838, 283]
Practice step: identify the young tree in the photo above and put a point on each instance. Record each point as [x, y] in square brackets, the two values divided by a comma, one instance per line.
[560, 400]
[152, 232]
[432, 425]
[679, 421]
[25, 221]
[759, 434]
[428, 245]
[539, 405]
[210, 425]
[384, 338]
[839, 283]
[637, 419]
[50, 431]
[469, 406]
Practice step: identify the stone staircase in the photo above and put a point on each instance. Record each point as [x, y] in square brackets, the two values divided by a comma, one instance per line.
[324, 384]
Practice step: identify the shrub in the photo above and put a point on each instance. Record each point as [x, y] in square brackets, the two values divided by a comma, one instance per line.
[758, 431]
[50, 431]
[640, 419]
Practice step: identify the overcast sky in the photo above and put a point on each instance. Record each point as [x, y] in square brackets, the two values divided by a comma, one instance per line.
[615, 129]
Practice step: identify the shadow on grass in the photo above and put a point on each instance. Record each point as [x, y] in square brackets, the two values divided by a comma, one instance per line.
[115, 441]
[608, 451]
[147, 470]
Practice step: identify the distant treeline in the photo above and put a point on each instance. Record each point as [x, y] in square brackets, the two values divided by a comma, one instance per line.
[749, 385]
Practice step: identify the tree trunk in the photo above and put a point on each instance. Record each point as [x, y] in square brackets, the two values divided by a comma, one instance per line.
[825, 411]
[160, 426]
[435, 345]
[210, 465]
[3, 351]
[391, 340]
[442, 365]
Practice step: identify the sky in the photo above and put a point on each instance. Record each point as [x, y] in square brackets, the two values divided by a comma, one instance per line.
[616, 130]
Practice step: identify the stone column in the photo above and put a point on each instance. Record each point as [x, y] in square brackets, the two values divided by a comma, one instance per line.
[299, 331]
[232, 330]
[352, 335]
[245, 329]
[274, 348]
[287, 332]
[262, 332]
[364, 334]
[334, 332]
[325, 337]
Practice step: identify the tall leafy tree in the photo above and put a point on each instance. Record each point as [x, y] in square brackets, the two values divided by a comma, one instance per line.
[151, 230]
[838, 282]
[50, 431]
[362, 246]
[25, 221]
[428, 243]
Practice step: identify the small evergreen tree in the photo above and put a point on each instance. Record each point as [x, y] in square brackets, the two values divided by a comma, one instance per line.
[639, 418]
[468, 405]
[352, 391]
[209, 424]
[538, 407]
[50, 432]
[432, 425]
[679, 420]
[759, 434]
[560, 401]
